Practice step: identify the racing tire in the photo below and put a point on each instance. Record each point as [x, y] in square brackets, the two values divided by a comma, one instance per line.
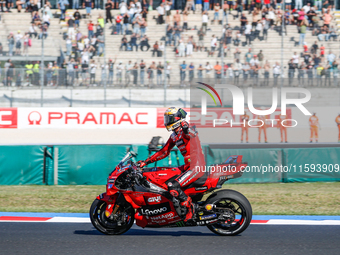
[231, 200]
[106, 225]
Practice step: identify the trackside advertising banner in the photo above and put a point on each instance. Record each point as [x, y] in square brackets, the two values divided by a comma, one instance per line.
[137, 118]
[78, 118]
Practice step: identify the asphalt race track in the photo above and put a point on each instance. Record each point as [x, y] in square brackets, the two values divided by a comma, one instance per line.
[82, 238]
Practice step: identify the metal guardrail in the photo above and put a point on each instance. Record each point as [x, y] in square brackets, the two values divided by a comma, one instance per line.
[56, 77]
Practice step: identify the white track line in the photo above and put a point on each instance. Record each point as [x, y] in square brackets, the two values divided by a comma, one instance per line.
[69, 220]
[303, 222]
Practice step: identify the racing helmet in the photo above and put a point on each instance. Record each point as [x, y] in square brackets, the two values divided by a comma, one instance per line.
[173, 117]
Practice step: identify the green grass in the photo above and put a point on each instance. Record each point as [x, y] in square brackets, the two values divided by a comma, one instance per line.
[272, 198]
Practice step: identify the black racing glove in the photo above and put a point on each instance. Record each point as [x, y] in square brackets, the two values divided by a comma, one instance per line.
[185, 127]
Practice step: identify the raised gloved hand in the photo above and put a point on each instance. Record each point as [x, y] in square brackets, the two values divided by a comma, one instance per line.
[185, 127]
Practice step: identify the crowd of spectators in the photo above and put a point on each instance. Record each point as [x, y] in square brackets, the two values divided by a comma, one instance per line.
[132, 24]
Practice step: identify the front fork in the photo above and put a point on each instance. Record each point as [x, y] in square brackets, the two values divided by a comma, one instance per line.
[112, 208]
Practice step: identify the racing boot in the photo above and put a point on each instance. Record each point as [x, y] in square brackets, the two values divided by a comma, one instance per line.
[190, 209]
[185, 208]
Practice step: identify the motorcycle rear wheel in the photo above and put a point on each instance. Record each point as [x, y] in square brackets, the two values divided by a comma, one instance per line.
[106, 225]
[236, 204]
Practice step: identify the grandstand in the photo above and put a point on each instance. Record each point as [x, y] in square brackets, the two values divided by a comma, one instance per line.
[271, 47]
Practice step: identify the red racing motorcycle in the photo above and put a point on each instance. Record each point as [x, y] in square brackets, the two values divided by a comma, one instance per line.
[141, 196]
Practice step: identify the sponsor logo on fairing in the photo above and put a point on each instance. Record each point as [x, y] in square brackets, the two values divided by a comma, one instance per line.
[206, 217]
[201, 188]
[190, 178]
[155, 199]
[163, 217]
[183, 177]
[153, 210]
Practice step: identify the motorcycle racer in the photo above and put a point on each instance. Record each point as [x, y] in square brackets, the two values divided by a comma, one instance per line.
[174, 120]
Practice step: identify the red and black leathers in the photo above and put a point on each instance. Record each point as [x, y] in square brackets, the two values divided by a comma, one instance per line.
[181, 139]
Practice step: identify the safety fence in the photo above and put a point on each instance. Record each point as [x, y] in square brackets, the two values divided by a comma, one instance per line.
[91, 164]
[98, 75]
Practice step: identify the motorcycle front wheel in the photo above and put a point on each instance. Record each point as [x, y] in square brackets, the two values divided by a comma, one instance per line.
[117, 225]
[235, 211]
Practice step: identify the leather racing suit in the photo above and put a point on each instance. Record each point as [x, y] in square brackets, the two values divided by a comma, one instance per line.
[181, 139]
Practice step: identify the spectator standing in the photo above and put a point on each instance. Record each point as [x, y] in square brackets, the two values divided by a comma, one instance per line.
[160, 50]
[120, 68]
[200, 72]
[168, 72]
[331, 58]
[327, 18]
[142, 72]
[62, 6]
[159, 73]
[205, 5]
[177, 19]
[108, 8]
[168, 11]
[88, 5]
[190, 46]
[101, 44]
[183, 68]
[208, 69]
[143, 24]
[135, 74]
[298, 4]
[181, 49]
[93, 69]
[111, 71]
[11, 43]
[84, 72]
[70, 71]
[71, 28]
[205, 19]
[125, 23]
[77, 17]
[136, 25]
[201, 35]
[161, 12]
[18, 43]
[248, 56]
[291, 70]
[303, 29]
[213, 45]
[276, 72]
[266, 73]
[216, 12]
[68, 46]
[318, 4]
[90, 26]
[128, 69]
[246, 71]
[191, 72]
[151, 74]
[237, 71]
[119, 21]
[295, 58]
[75, 4]
[218, 72]
[185, 20]
[260, 57]
[247, 33]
